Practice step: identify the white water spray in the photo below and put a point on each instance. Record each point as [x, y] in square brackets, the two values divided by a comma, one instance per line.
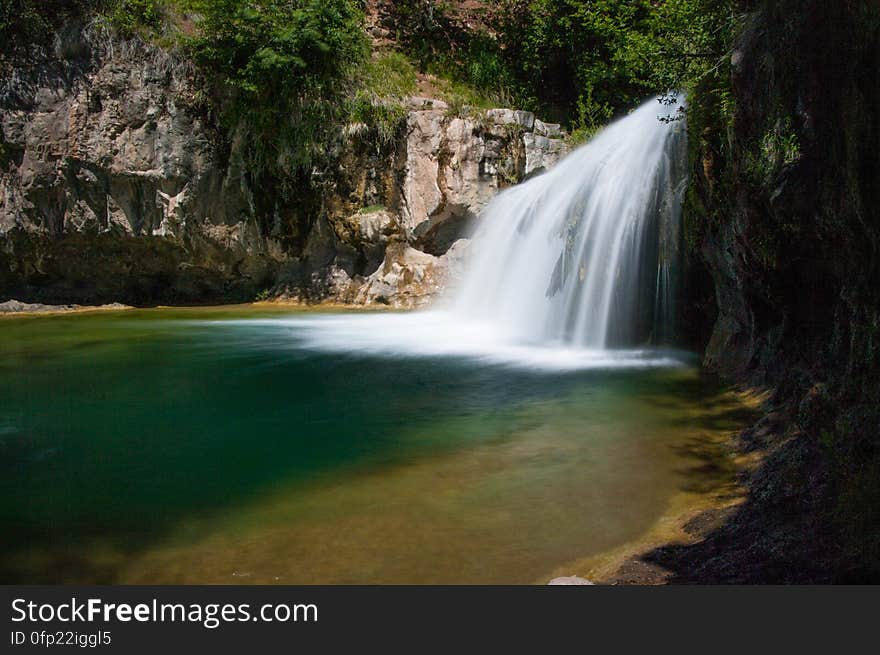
[585, 255]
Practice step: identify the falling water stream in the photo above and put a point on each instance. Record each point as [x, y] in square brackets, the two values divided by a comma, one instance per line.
[586, 255]
[574, 269]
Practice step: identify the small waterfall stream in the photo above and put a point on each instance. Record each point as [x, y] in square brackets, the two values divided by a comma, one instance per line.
[586, 255]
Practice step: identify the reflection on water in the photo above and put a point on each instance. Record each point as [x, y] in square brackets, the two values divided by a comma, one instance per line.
[194, 446]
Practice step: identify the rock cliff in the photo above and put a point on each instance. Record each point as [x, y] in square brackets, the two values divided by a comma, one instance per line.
[783, 220]
[117, 186]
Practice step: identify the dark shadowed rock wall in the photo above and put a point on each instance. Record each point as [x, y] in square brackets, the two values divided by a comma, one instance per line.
[783, 223]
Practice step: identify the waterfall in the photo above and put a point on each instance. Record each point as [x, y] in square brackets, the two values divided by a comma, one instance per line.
[568, 270]
[586, 255]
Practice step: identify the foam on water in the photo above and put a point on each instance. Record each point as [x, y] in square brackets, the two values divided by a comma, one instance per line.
[436, 334]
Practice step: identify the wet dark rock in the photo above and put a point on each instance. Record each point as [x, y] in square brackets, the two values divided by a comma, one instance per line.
[783, 221]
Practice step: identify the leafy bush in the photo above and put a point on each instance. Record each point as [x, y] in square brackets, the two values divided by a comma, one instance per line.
[378, 102]
[27, 22]
[385, 118]
[592, 59]
[579, 61]
[137, 16]
[283, 70]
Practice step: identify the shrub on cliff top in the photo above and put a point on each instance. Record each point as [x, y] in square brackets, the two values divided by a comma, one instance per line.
[593, 58]
[284, 68]
[580, 61]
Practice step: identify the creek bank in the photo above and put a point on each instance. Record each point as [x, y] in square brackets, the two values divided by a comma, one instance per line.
[16, 307]
[769, 530]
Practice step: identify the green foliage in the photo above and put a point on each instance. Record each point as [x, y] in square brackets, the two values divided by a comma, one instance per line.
[595, 58]
[263, 295]
[389, 75]
[780, 145]
[472, 69]
[777, 147]
[27, 22]
[464, 98]
[478, 75]
[137, 16]
[579, 61]
[284, 69]
[580, 56]
[693, 42]
[384, 117]
[382, 85]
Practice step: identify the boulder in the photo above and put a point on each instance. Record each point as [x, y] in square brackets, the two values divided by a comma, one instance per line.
[548, 129]
[406, 278]
[524, 119]
[570, 580]
[542, 153]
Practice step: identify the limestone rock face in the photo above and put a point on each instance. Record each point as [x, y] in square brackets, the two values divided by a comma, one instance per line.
[407, 277]
[542, 153]
[447, 178]
[455, 166]
[524, 119]
[395, 221]
[110, 184]
[421, 191]
[551, 130]
[115, 186]
[110, 151]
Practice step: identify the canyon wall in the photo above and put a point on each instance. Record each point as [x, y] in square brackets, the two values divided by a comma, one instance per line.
[116, 185]
[783, 229]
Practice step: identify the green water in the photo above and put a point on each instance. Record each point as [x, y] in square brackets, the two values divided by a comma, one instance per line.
[147, 447]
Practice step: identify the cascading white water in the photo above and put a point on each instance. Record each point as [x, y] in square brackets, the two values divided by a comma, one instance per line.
[566, 268]
[584, 255]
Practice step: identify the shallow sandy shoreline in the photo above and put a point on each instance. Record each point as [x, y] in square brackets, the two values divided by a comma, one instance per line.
[18, 308]
[11, 308]
[688, 519]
